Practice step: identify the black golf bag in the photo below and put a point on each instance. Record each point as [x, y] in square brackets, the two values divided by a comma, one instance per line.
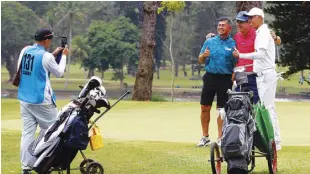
[238, 128]
[57, 146]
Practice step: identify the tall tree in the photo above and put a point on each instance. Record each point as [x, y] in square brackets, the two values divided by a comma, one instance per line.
[126, 46]
[172, 6]
[101, 38]
[70, 11]
[113, 43]
[18, 25]
[80, 50]
[144, 77]
[292, 24]
[39, 7]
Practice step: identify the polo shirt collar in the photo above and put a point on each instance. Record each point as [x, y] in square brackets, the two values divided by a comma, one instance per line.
[219, 37]
[39, 46]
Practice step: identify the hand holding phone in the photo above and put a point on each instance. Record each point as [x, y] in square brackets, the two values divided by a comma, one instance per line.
[63, 42]
[63, 45]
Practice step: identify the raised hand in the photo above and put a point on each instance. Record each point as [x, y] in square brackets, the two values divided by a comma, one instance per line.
[273, 34]
[65, 51]
[206, 53]
[236, 53]
[208, 36]
[57, 50]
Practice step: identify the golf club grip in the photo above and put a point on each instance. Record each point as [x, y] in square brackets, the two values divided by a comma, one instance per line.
[124, 95]
[93, 123]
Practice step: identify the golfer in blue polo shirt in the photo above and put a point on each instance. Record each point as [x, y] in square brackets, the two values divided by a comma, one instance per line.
[217, 55]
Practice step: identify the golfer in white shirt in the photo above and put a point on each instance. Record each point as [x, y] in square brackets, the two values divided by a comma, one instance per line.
[264, 66]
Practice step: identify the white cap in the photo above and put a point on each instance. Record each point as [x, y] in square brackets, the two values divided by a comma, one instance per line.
[255, 11]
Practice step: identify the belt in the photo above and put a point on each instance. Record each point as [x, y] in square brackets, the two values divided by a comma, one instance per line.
[259, 74]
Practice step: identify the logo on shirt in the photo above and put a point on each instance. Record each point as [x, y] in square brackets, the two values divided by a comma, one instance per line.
[227, 49]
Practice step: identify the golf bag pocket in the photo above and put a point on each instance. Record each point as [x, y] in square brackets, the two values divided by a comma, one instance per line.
[78, 134]
[234, 140]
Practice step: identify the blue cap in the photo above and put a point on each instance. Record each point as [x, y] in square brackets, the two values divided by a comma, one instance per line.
[241, 16]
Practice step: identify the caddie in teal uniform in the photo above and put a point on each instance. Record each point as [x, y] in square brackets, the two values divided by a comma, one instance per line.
[37, 99]
[217, 55]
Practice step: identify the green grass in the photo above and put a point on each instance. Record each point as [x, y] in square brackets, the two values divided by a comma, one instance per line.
[177, 121]
[77, 78]
[160, 137]
[119, 157]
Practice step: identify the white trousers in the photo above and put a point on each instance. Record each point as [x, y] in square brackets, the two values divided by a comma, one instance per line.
[33, 115]
[266, 86]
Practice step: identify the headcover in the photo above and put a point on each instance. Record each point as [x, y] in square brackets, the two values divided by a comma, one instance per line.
[93, 83]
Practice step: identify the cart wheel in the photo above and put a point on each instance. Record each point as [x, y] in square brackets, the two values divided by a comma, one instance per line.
[272, 157]
[84, 164]
[215, 158]
[94, 168]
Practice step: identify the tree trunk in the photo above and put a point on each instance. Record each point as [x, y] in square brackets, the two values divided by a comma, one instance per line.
[176, 69]
[172, 60]
[11, 66]
[184, 69]
[192, 67]
[91, 72]
[102, 74]
[122, 78]
[247, 5]
[144, 77]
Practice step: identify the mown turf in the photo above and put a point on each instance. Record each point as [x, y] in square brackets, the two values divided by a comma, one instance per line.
[160, 137]
[176, 122]
[142, 157]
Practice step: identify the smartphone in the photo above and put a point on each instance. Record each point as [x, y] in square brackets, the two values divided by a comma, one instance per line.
[63, 42]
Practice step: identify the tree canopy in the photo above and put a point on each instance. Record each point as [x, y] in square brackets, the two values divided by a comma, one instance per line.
[18, 26]
[291, 22]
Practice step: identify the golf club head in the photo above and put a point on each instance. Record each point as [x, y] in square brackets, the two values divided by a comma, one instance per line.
[90, 85]
[103, 102]
[97, 93]
[102, 89]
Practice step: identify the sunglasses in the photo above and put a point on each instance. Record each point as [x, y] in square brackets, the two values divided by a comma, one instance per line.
[241, 22]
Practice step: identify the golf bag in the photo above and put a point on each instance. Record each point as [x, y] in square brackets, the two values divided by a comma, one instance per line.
[57, 146]
[238, 128]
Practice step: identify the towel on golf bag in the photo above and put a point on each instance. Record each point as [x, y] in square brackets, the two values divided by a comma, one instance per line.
[238, 127]
[264, 126]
